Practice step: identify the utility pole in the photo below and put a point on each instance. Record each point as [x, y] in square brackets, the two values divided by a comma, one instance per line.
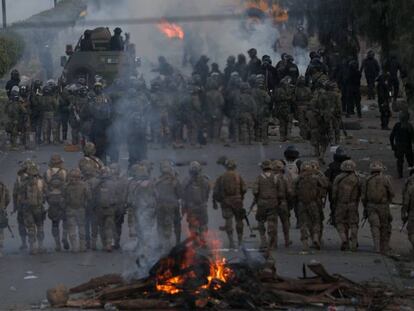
[3, 9]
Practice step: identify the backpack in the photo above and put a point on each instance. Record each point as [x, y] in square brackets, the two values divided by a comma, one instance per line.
[103, 194]
[292, 170]
[308, 190]
[33, 192]
[56, 182]
[375, 190]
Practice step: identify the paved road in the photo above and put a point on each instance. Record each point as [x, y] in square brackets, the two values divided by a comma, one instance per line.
[18, 293]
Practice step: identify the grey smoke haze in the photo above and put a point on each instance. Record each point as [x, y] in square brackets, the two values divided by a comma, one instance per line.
[18, 10]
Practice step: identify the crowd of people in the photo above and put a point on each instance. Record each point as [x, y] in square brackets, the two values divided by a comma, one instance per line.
[92, 200]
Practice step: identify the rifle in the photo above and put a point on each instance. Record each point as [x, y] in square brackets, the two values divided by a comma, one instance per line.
[364, 221]
[10, 230]
[343, 128]
[403, 225]
[251, 207]
[252, 234]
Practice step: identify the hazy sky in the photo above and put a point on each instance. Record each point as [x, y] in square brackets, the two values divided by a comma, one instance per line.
[22, 9]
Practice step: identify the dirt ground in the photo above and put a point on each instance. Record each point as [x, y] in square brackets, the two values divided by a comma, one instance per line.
[24, 279]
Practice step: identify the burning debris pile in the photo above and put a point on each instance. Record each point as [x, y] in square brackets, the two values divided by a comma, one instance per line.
[192, 276]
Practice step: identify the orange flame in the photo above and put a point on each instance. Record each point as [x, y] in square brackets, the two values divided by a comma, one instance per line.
[170, 30]
[272, 9]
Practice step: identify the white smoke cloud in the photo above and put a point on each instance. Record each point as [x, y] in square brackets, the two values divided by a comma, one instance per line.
[18, 10]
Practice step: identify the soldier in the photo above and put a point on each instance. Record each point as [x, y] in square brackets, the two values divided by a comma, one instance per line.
[407, 212]
[215, 108]
[262, 100]
[77, 196]
[266, 197]
[32, 198]
[377, 196]
[384, 99]
[4, 222]
[307, 195]
[55, 178]
[232, 109]
[196, 191]
[333, 98]
[79, 101]
[334, 169]
[18, 116]
[229, 191]
[254, 65]
[14, 81]
[168, 194]
[371, 69]
[303, 96]
[160, 127]
[36, 109]
[346, 193]
[90, 167]
[401, 138]
[283, 99]
[191, 113]
[285, 193]
[247, 110]
[49, 105]
[230, 68]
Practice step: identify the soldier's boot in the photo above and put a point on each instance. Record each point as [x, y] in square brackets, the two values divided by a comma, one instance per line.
[231, 240]
[58, 246]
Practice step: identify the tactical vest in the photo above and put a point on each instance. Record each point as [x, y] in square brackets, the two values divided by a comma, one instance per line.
[231, 184]
[195, 191]
[267, 187]
[74, 195]
[307, 189]
[348, 189]
[32, 191]
[166, 187]
[55, 179]
[376, 190]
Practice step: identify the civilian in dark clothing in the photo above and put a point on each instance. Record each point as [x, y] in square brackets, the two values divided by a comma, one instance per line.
[241, 67]
[401, 138]
[201, 68]
[254, 66]
[393, 66]
[269, 73]
[384, 97]
[117, 42]
[86, 42]
[371, 69]
[14, 81]
[352, 89]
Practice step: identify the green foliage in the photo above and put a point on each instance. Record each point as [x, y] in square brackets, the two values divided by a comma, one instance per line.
[11, 49]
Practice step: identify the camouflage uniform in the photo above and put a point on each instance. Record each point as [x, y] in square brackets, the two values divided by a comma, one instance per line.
[49, 105]
[18, 120]
[346, 193]
[303, 96]
[76, 196]
[263, 110]
[376, 196]
[307, 194]
[36, 110]
[79, 101]
[55, 178]
[160, 127]
[246, 114]
[334, 98]
[266, 197]
[90, 167]
[196, 191]
[232, 108]
[32, 196]
[285, 193]
[191, 109]
[284, 100]
[407, 210]
[229, 191]
[168, 193]
[4, 202]
[215, 108]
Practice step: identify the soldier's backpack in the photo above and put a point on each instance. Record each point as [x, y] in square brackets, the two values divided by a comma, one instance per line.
[308, 190]
[292, 170]
[32, 192]
[375, 190]
[56, 181]
[230, 184]
[103, 195]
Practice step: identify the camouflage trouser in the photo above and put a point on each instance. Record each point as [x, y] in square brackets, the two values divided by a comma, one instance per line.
[197, 219]
[246, 128]
[233, 208]
[91, 226]
[21, 225]
[410, 228]
[283, 213]
[285, 125]
[34, 217]
[106, 225]
[300, 116]
[379, 218]
[56, 214]
[319, 143]
[76, 222]
[266, 213]
[132, 223]
[336, 127]
[215, 127]
[119, 221]
[50, 127]
[261, 127]
[192, 131]
[310, 222]
[168, 221]
[347, 219]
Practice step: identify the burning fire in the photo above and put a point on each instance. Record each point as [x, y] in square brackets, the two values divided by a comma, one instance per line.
[174, 281]
[170, 30]
[271, 8]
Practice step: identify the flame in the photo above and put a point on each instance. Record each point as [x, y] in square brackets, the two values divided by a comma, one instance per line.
[219, 273]
[170, 30]
[271, 8]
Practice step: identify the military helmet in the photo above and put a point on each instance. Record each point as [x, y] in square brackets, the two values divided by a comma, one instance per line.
[166, 167]
[115, 169]
[230, 164]
[301, 81]
[106, 172]
[252, 52]
[32, 169]
[98, 84]
[139, 171]
[260, 81]
[315, 164]
[75, 174]
[55, 159]
[231, 59]
[89, 149]
[330, 85]
[37, 84]
[195, 167]
[278, 165]
[376, 166]
[306, 167]
[118, 30]
[266, 165]
[404, 116]
[348, 166]
[291, 152]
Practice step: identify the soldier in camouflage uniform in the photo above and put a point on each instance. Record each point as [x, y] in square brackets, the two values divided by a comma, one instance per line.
[168, 193]
[377, 196]
[232, 107]
[196, 191]
[215, 108]
[307, 193]
[79, 100]
[191, 109]
[263, 109]
[247, 111]
[50, 125]
[407, 210]
[36, 109]
[32, 198]
[77, 196]
[266, 197]
[90, 167]
[160, 127]
[303, 96]
[284, 100]
[346, 193]
[334, 98]
[229, 191]
[285, 193]
[17, 111]
[55, 178]
[4, 202]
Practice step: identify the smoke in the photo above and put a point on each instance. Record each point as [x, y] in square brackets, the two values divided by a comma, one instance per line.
[18, 10]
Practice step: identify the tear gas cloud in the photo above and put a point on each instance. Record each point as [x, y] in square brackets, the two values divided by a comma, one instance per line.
[18, 10]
